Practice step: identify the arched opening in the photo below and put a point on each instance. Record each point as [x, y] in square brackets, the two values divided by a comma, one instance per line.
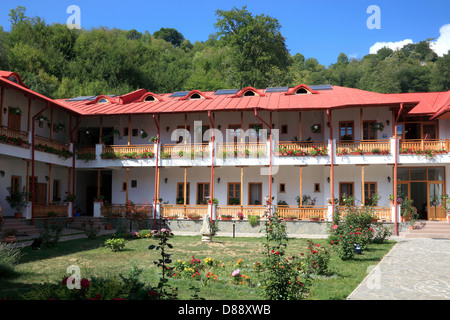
[13, 79]
[103, 100]
[249, 93]
[195, 96]
[301, 91]
[150, 98]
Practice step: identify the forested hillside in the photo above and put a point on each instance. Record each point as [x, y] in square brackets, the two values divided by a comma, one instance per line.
[246, 50]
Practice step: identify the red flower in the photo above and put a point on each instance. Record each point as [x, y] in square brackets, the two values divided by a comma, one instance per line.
[152, 293]
[85, 283]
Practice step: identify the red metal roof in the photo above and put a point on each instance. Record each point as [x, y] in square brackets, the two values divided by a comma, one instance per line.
[4, 79]
[338, 97]
[432, 103]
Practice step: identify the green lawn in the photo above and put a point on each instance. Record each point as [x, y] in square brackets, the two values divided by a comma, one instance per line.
[50, 265]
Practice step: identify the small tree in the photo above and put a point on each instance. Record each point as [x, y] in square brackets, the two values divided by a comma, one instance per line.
[16, 199]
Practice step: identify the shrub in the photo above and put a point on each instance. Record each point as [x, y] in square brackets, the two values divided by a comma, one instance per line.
[316, 259]
[9, 256]
[116, 244]
[90, 229]
[51, 232]
[253, 220]
[282, 280]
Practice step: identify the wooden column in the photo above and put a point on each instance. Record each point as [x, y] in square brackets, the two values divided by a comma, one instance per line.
[51, 123]
[300, 126]
[242, 186]
[361, 124]
[129, 130]
[185, 187]
[301, 186]
[101, 130]
[128, 180]
[29, 115]
[99, 174]
[69, 175]
[49, 194]
[185, 129]
[363, 200]
[27, 184]
[242, 127]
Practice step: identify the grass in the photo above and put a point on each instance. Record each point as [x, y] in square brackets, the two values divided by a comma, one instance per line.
[94, 259]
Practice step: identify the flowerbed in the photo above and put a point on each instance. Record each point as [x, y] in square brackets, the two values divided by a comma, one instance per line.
[14, 141]
[429, 153]
[316, 151]
[61, 153]
[127, 155]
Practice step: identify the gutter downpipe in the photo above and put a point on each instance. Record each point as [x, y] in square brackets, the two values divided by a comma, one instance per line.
[211, 121]
[331, 162]
[156, 168]
[33, 194]
[270, 160]
[396, 168]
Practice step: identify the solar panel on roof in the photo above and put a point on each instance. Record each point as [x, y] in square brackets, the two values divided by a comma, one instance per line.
[321, 87]
[226, 91]
[277, 89]
[179, 94]
[82, 98]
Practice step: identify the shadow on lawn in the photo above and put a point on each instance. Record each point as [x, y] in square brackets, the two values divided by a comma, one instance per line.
[62, 248]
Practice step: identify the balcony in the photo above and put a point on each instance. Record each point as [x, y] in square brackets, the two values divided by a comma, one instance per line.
[365, 147]
[118, 152]
[51, 209]
[185, 151]
[13, 137]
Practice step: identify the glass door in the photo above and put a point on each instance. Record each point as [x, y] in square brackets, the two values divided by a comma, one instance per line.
[435, 192]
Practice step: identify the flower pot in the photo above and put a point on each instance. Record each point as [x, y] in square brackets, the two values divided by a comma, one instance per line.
[108, 226]
[225, 218]
[18, 215]
[313, 219]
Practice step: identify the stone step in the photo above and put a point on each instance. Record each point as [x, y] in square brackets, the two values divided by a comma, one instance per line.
[428, 229]
[20, 226]
[77, 223]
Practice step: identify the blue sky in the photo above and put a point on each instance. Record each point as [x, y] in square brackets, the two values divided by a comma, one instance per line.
[318, 29]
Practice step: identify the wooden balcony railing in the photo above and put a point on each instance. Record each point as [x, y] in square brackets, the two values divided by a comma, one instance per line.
[18, 138]
[183, 211]
[57, 145]
[246, 149]
[43, 210]
[121, 210]
[301, 148]
[436, 145]
[363, 147]
[380, 213]
[304, 212]
[246, 211]
[128, 152]
[187, 151]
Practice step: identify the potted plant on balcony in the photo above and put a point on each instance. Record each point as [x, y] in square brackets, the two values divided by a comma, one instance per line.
[314, 218]
[226, 216]
[17, 200]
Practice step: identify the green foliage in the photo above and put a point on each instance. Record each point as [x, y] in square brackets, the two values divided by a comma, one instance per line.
[9, 257]
[247, 50]
[253, 220]
[51, 232]
[116, 244]
[282, 279]
[17, 199]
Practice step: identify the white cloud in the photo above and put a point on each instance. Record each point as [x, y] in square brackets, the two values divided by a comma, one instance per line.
[391, 45]
[442, 44]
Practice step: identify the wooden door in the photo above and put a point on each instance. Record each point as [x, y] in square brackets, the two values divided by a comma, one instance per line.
[14, 120]
[41, 193]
